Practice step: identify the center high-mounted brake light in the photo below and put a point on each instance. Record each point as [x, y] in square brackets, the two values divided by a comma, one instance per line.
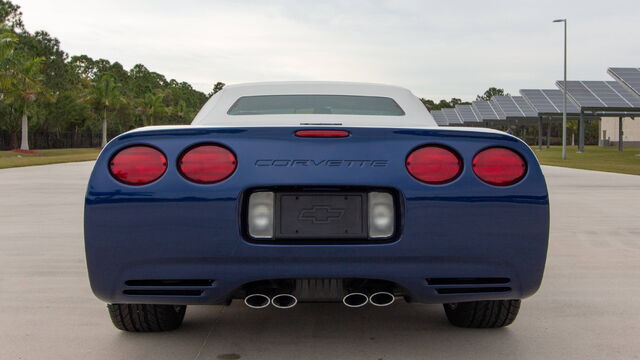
[322, 133]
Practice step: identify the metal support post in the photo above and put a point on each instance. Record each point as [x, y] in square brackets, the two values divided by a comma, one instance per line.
[581, 133]
[620, 134]
[549, 132]
[539, 132]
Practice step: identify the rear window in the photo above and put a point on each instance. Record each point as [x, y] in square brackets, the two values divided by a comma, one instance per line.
[315, 104]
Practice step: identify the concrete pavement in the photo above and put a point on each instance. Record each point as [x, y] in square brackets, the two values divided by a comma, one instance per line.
[587, 307]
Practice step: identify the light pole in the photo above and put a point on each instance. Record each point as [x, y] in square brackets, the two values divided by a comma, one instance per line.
[564, 93]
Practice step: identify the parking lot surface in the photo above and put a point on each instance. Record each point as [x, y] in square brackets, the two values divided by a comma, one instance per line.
[587, 307]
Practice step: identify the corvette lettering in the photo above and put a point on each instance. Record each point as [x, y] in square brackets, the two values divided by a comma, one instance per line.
[321, 163]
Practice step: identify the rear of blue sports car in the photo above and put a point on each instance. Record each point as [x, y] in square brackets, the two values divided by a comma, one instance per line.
[274, 216]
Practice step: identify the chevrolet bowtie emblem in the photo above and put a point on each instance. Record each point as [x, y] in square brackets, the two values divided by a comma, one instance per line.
[321, 214]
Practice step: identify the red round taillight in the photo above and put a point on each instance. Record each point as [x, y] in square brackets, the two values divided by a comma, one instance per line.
[434, 165]
[207, 164]
[138, 165]
[499, 166]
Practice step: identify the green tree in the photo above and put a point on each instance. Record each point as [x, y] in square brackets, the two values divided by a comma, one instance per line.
[56, 71]
[490, 93]
[145, 81]
[10, 15]
[27, 87]
[152, 106]
[105, 95]
[7, 46]
[83, 66]
[180, 110]
[216, 88]
[432, 105]
[455, 101]
[75, 81]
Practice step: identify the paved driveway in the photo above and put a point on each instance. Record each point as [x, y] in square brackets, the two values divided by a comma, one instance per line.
[587, 308]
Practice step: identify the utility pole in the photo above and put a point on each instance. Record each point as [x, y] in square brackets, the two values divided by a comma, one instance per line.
[564, 91]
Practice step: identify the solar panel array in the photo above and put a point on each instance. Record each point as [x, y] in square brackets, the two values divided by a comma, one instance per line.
[601, 95]
[452, 116]
[486, 111]
[547, 101]
[439, 118]
[514, 107]
[467, 114]
[597, 98]
[629, 77]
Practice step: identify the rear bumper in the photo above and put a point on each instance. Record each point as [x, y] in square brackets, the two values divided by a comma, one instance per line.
[409, 273]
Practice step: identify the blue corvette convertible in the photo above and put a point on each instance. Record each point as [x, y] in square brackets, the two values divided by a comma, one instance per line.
[280, 193]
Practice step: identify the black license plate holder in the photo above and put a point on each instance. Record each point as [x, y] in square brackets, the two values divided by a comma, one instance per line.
[321, 215]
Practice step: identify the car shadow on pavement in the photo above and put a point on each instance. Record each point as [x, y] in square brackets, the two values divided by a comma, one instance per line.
[324, 331]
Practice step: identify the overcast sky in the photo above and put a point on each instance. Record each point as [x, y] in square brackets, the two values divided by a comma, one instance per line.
[438, 49]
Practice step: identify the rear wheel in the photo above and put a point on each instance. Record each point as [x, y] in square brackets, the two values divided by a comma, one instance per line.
[146, 317]
[482, 314]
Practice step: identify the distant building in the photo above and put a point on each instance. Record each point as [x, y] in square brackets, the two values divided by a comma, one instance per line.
[630, 128]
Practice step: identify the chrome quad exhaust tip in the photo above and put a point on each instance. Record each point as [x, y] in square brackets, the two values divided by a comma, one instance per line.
[284, 301]
[382, 298]
[257, 301]
[355, 300]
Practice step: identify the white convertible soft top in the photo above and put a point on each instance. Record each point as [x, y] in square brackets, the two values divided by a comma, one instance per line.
[214, 112]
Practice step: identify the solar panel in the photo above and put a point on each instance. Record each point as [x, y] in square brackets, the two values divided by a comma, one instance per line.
[557, 98]
[452, 116]
[514, 107]
[629, 77]
[467, 114]
[627, 94]
[498, 110]
[580, 94]
[507, 105]
[601, 95]
[524, 106]
[549, 101]
[608, 95]
[439, 117]
[486, 111]
[539, 101]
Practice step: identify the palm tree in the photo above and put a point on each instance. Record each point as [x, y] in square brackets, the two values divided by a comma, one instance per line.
[26, 86]
[572, 125]
[152, 105]
[105, 94]
[7, 45]
[180, 110]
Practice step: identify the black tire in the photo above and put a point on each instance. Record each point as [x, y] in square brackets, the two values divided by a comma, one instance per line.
[145, 317]
[482, 314]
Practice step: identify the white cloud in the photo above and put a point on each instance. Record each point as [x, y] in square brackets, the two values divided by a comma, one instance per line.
[437, 49]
